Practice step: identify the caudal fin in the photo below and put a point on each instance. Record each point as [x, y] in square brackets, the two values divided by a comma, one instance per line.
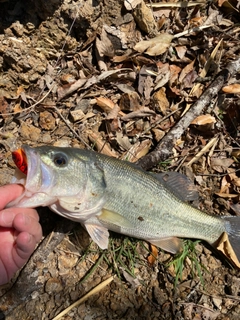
[232, 225]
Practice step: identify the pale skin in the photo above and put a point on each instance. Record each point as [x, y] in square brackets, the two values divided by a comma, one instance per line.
[20, 231]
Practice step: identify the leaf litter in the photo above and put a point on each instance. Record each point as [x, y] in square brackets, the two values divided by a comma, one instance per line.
[117, 78]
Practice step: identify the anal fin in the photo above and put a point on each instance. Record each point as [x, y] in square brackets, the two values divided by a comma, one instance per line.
[170, 244]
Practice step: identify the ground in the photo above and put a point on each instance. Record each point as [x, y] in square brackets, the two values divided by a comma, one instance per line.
[82, 74]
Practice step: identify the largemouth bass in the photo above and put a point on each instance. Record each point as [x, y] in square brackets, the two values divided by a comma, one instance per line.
[105, 193]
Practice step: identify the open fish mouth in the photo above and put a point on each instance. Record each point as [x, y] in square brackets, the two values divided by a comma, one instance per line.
[31, 171]
[35, 175]
[20, 159]
[28, 165]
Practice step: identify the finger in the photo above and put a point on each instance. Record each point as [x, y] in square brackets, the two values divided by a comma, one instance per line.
[9, 193]
[26, 223]
[8, 215]
[24, 247]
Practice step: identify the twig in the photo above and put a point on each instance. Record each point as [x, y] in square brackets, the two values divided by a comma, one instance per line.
[69, 127]
[164, 149]
[95, 290]
[212, 142]
[153, 125]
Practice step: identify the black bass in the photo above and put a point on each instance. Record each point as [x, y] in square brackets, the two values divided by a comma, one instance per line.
[105, 193]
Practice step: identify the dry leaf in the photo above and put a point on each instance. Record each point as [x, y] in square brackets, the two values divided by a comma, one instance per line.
[130, 101]
[138, 150]
[181, 50]
[186, 70]
[232, 88]
[225, 247]
[221, 164]
[131, 4]
[161, 101]
[143, 112]
[123, 141]
[100, 144]
[155, 46]
[153, 256]
[145, 19]
[174, 72]
[64, 91]
[203, 119]
[107, 105]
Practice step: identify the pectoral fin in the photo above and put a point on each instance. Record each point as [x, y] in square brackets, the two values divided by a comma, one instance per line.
[171, 244]
[98, 234]
[115, 218]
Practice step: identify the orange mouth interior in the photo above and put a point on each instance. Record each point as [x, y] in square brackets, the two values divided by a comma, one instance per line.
[20, 159]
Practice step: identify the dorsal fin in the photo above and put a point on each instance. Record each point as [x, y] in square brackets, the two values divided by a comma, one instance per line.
[179, 184]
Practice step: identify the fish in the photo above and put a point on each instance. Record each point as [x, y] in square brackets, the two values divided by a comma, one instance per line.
[104, 193]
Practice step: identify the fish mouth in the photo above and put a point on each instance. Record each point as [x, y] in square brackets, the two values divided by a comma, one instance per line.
[31, 171]
[20, 159]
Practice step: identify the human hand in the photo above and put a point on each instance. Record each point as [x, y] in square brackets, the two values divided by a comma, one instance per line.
[20, 231]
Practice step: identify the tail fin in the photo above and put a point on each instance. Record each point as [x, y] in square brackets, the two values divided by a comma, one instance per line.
[232, 226]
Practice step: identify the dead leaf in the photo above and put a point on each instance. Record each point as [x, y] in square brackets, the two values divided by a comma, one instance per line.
[186, 70]
[65, 91]
[123, 141]
[181, 50]
[174, 72]
[158, 134]
[225, 247]
[107, 105]
[101, 145]
[131, 4]
[130, 101]
[203, 119]
[153, 256]
[145, 19]
[113, 114]
[232, 88]
[155, 46]
[221, 164]
[143, 112]
[161, 101]
[138, 150]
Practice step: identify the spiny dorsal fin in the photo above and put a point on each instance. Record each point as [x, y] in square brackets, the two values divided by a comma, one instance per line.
[179, 184]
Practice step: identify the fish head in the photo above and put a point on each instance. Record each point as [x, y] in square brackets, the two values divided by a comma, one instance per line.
[48, 174]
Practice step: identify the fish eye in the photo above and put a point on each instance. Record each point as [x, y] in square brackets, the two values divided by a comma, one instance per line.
[60, 160]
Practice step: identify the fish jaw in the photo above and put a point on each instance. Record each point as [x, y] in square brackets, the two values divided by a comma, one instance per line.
[37, 182]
